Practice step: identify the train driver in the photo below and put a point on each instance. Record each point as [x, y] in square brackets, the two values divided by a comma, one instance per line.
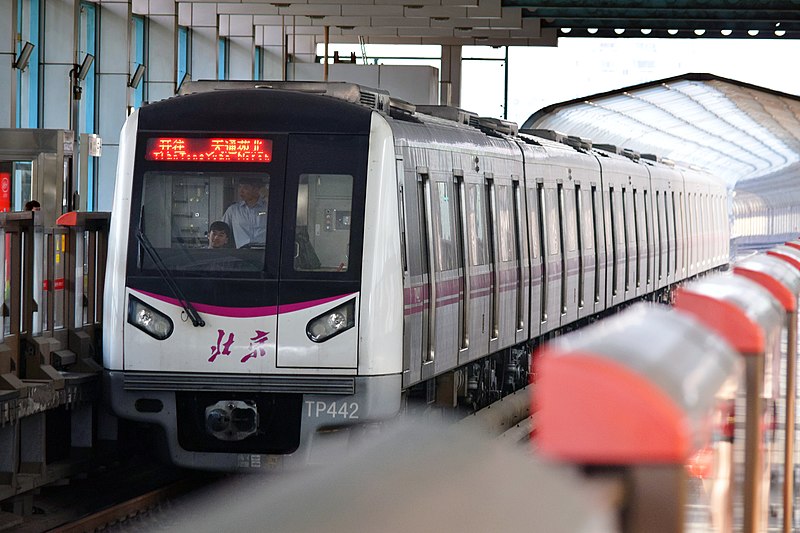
[247, 218]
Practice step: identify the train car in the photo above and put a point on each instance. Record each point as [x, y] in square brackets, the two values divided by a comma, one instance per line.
[288, 265]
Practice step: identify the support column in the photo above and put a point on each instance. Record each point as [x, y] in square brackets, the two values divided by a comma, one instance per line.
[202, 19]
[303, 48]
[240, 37]
[272, 46]
[162, 50]
[59, 47]
[113, 74]
[451, 76]
[8, 74]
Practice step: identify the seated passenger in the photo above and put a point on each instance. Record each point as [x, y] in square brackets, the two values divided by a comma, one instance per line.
[248, 217]
[219, 235]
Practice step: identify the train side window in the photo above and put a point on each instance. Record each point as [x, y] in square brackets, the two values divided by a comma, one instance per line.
[504, 224]
[402, 212]
[596, 239]
[692, 228]
[562, 216]
[612, 210]
[542, 216]
[571, 240]
[577, 212]
[476, 224]
[675, 232]
[636, 216]
[551, 217]
[533, 219]
[648, 246]
[624, 225]
[444, 236]
[422, 209]
[322, 231]
[587, 225]
[666, 228]
[659, 240]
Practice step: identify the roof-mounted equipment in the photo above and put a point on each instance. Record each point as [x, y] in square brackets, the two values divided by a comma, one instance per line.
[450, 113]
[614, 149]
[377, 99]
[401, 109]
[631, 154]
[498, 126]
[580, 143]
[550, 135]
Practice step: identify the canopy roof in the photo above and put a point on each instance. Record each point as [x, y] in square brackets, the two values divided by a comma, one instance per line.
[735, 130]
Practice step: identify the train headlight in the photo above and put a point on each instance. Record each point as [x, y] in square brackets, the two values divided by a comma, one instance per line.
[333, 322]
[153, 322]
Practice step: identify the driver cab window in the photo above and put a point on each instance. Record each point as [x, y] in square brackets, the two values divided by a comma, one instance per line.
[190, 218]
[322, 231]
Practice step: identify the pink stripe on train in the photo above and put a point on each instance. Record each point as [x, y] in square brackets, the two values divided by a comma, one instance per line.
[245, 312]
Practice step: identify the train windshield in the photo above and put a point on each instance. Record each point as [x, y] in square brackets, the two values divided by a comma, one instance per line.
[206, 221]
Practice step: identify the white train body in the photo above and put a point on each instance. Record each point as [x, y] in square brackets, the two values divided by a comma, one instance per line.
[400, 248]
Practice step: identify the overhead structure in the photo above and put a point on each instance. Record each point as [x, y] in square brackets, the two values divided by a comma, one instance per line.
[763, 19]
[735, 130]
[510, 22]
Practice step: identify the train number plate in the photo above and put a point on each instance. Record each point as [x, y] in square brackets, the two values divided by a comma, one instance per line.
[347, 410]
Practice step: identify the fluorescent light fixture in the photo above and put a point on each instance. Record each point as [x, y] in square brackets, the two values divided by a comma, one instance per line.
[138, 74]
[83, 71]
[24, 56]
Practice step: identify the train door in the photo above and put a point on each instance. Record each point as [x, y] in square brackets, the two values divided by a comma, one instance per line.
[479, 257]
[552, 282]
[494, 266]
[507, 314]
[415, 294]
[444, 258]
[321, 245]
[614, 244]
[521, 322]
[464, 266]
[587, 282]
[538, 265]
[570, 252]
[412, 322]
[670, 233]
[599, 238]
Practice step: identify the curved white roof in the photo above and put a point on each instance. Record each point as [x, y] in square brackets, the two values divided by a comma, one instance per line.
[734, 130]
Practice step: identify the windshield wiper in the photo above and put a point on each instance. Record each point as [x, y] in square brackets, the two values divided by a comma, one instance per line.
[191, 312]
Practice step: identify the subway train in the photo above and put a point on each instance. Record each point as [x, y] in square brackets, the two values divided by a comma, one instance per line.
[376, 253]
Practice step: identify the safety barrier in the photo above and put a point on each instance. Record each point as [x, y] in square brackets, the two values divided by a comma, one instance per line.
[635, 396]
[597, 401]
[50, 357]
[781, 277]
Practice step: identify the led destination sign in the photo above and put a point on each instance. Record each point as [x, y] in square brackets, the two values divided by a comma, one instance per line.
[213, 149]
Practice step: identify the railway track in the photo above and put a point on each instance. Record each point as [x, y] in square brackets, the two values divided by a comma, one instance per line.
[129, 509]
[508, 420]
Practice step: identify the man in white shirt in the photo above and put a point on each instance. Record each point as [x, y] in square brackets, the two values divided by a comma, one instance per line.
[248, 217]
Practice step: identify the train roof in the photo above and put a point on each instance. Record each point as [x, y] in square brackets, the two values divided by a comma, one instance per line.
[371, 99]
[241, 108]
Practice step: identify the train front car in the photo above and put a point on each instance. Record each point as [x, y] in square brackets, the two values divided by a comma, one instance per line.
[238, 275]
